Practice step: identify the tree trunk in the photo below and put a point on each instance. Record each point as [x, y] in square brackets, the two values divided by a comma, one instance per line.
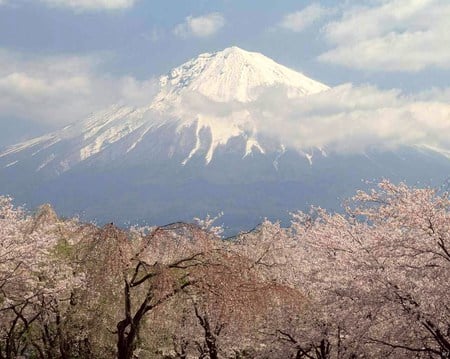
[210, 337]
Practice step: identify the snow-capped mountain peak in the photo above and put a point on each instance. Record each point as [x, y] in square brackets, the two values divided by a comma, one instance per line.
[233, 74]
[187, 112]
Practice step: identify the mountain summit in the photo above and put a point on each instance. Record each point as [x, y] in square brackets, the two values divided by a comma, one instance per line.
[233, 75]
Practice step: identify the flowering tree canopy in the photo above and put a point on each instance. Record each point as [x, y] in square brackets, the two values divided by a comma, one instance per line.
[372, 282]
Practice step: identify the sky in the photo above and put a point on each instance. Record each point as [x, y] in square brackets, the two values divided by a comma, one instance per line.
[61, 60]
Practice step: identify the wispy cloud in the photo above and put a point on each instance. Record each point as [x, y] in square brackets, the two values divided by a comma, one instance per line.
[392, 35]
[87, 5]
[201, 26]
[62, 89]
[300, 20]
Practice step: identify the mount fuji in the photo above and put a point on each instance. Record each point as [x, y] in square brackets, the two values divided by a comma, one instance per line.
[197, 148]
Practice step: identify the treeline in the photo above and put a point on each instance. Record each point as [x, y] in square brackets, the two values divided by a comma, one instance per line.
[371, 283]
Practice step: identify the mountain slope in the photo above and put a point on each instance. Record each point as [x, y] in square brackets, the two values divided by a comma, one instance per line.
[198, 148]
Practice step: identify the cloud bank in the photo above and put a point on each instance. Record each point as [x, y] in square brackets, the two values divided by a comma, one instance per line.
[201, 26]
[63, 89]
[343, 119]
[90, 5]
[351, 118]
[300, 20]
[83, 5]
[391, 35]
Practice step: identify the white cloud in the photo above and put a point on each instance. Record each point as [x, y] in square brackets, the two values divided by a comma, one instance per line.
[90, 5]
[154, 35]
[84, 5]
[392, 35]
[63, 89]
[201, 26]
[351, 119]
[344, 119]
[300, 20]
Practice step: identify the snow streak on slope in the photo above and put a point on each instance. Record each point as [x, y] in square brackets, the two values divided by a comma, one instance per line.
[28, 144]
[232, 76]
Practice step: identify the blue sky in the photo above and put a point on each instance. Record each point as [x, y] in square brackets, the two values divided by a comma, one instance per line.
[62, 59]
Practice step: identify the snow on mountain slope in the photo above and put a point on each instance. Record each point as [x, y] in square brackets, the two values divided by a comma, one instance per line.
[233, 74]
[232, 77]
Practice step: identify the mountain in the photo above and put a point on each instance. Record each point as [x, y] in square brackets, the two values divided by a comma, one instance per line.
[198, 148]
[231, 78]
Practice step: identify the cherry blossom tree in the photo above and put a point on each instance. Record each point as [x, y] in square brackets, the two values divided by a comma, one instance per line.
[35, 281]
[379, 276]
[371, 282]
[410, 238]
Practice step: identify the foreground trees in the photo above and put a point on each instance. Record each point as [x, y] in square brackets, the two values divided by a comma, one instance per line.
[381, 274]
[37, 283]
[373, 282]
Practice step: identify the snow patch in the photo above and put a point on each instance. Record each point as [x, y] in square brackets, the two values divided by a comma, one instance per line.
[277, 158]
[134, 144]
[46, 162]
[442, 152]
[250, 145]
[26, 145]
[47, 145]
[11, 164]
[196, 147]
